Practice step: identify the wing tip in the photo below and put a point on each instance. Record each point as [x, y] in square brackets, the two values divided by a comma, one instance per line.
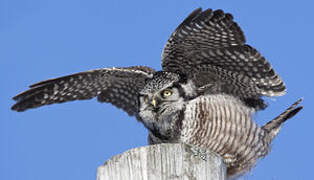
[19, 96]
[189, 18]
[16, 107]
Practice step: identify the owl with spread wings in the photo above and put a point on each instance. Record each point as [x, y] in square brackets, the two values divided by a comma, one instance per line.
[206, 94]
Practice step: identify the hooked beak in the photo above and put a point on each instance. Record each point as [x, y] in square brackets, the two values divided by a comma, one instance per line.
[154, 102]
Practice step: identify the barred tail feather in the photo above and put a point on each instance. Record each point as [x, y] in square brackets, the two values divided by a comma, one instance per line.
[273, 127]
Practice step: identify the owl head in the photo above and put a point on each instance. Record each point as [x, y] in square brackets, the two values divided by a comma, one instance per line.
[162, 100]
[160, 91]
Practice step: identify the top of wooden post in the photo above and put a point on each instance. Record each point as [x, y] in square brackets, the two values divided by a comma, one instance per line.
[163, 162]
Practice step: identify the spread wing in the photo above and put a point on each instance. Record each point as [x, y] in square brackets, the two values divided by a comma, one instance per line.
[118, 86]
[210, 47]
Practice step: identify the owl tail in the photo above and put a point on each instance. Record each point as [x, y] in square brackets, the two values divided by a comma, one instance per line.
[273, 126]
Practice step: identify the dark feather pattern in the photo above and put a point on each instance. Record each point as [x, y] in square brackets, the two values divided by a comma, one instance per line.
[210, 85]
[118, 86]
[211, 41]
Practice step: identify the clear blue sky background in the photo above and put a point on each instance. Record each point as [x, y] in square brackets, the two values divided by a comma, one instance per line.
[41, 39]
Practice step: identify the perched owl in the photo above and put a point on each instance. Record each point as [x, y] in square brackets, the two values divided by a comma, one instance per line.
[210, 86]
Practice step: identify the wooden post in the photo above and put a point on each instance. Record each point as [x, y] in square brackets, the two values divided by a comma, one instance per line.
[162, 162]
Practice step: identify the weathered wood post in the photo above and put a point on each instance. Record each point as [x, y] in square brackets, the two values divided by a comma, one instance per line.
[162, 162]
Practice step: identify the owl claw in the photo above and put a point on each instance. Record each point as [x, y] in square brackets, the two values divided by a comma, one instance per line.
[199, 152]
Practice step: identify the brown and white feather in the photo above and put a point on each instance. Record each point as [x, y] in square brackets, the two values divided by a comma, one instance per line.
[223, 124]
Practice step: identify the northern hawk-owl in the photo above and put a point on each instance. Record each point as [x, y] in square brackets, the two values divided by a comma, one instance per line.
[210, 85]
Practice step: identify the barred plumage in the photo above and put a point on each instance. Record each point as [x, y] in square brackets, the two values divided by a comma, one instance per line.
[210, 85]
[217, 122]
[226, 127]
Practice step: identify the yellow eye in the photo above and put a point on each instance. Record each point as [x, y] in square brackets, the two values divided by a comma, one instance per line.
[166, 93]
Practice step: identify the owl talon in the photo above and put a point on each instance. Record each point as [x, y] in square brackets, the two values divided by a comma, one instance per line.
[202, 153]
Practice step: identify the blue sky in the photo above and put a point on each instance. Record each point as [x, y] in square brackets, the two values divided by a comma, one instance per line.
[41, 39]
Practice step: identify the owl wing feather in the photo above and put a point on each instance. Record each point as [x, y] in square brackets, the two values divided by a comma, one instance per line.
[210, 40]
[118, 86]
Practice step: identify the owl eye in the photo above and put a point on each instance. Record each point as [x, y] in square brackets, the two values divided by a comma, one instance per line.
[166, 93]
